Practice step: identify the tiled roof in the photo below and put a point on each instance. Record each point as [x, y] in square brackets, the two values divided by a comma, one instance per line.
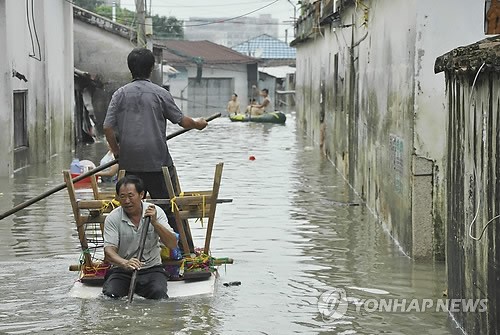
[266, 47]
[182, 52]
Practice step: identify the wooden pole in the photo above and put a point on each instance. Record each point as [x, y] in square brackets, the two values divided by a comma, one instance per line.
[211, 216]
[83, 176]
[142, 242]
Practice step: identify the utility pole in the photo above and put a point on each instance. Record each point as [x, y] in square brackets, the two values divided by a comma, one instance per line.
[113, 12]
[141, 23]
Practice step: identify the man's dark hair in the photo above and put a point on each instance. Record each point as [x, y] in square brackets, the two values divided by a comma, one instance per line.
[265, 90]
[130, 179]
[236, 95]
[140, 62]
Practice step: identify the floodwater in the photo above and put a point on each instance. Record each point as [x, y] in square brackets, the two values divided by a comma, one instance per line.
[288, 229]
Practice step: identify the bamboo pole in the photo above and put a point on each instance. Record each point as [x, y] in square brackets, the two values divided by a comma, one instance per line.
[83, 176]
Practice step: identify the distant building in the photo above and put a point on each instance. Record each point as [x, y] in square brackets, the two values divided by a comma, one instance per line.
[276, 65]
[110, 2]
[206, 74]
[269, 50]
[230, 32]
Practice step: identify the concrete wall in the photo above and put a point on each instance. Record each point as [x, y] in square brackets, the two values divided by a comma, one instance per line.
[436, 36]
[104, 55]
[473, 197]
[368, 92]
[6, 155]
[49, 73]
[238, 72]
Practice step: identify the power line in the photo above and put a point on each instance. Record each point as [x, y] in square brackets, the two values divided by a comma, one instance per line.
[233, 18]
[199, 6]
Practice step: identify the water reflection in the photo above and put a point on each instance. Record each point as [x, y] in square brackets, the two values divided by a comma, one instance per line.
[289, 230]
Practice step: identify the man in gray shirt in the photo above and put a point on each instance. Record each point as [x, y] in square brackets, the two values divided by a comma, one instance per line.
[122, 230]
[138, 113]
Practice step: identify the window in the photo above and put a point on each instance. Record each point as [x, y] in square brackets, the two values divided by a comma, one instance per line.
[20, 122]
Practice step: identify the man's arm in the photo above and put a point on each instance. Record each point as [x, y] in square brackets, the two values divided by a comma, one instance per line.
[159, 222]
[190, 123]
[111, 138]
[111, 256]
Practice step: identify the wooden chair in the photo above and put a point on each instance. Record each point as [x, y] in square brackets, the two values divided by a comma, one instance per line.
[100, 194]
[89, 217]
[194, 204]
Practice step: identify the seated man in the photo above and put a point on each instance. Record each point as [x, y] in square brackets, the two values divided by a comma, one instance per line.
[259, 109]
[110, 174]
[233, 106]
[122, 231]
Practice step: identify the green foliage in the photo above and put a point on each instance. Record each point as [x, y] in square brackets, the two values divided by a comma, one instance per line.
[170, 27]
[88, 4]
[163, 27]
[123, 16]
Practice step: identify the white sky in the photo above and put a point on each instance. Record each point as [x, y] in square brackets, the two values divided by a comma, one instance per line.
[182, 10]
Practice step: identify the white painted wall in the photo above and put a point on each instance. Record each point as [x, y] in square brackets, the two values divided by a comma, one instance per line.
[396, 95]
[439, 31]
[5, 98]
[50, 80]
[178, 85]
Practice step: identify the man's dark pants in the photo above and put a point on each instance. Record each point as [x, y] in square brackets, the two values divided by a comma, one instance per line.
[151, 283]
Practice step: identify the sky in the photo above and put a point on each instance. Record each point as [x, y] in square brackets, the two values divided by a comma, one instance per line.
[283, 10]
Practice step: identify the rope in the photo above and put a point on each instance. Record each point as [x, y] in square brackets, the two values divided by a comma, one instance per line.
[174, 206]
[94, 270]
[106, 203]
[198, 262]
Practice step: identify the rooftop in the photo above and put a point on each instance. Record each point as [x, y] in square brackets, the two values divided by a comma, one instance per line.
[182, 52]
[266, 47]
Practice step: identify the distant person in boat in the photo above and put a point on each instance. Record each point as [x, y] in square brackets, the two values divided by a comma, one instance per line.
[122, 231]
[233, 106]
[110, 174]
[139, 111]
[259, 109]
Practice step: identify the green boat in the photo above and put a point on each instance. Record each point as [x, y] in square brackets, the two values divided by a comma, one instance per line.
[273, 117]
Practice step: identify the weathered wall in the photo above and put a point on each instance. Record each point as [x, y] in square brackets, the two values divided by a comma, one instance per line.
[103, 54]
[49, 73]
[6, 157]
[437, 33]
[365, 74]
[374, 86]
[473, 202]
[237, 72]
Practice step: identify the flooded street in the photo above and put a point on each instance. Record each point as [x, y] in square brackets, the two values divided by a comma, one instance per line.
[288, 229]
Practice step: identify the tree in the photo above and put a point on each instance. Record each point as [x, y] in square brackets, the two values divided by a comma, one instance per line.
[163, 27]
[88, 4]
[170, 27]
[123, 16]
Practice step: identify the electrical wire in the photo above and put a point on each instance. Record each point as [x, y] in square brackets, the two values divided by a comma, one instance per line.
[199, 6]
[475, 175]
[233, 18]
[33, 54]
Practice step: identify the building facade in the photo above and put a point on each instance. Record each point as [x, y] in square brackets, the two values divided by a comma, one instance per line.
[472, 179]
[230, 32]
[366, 90]
[36, 86]
[207, 75]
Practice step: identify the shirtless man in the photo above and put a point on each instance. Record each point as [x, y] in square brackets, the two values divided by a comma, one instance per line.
[259, 109]
[233, 106]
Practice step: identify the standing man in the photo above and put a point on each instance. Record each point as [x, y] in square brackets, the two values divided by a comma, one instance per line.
[138, 113]
[233, 106]
[122, 234]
